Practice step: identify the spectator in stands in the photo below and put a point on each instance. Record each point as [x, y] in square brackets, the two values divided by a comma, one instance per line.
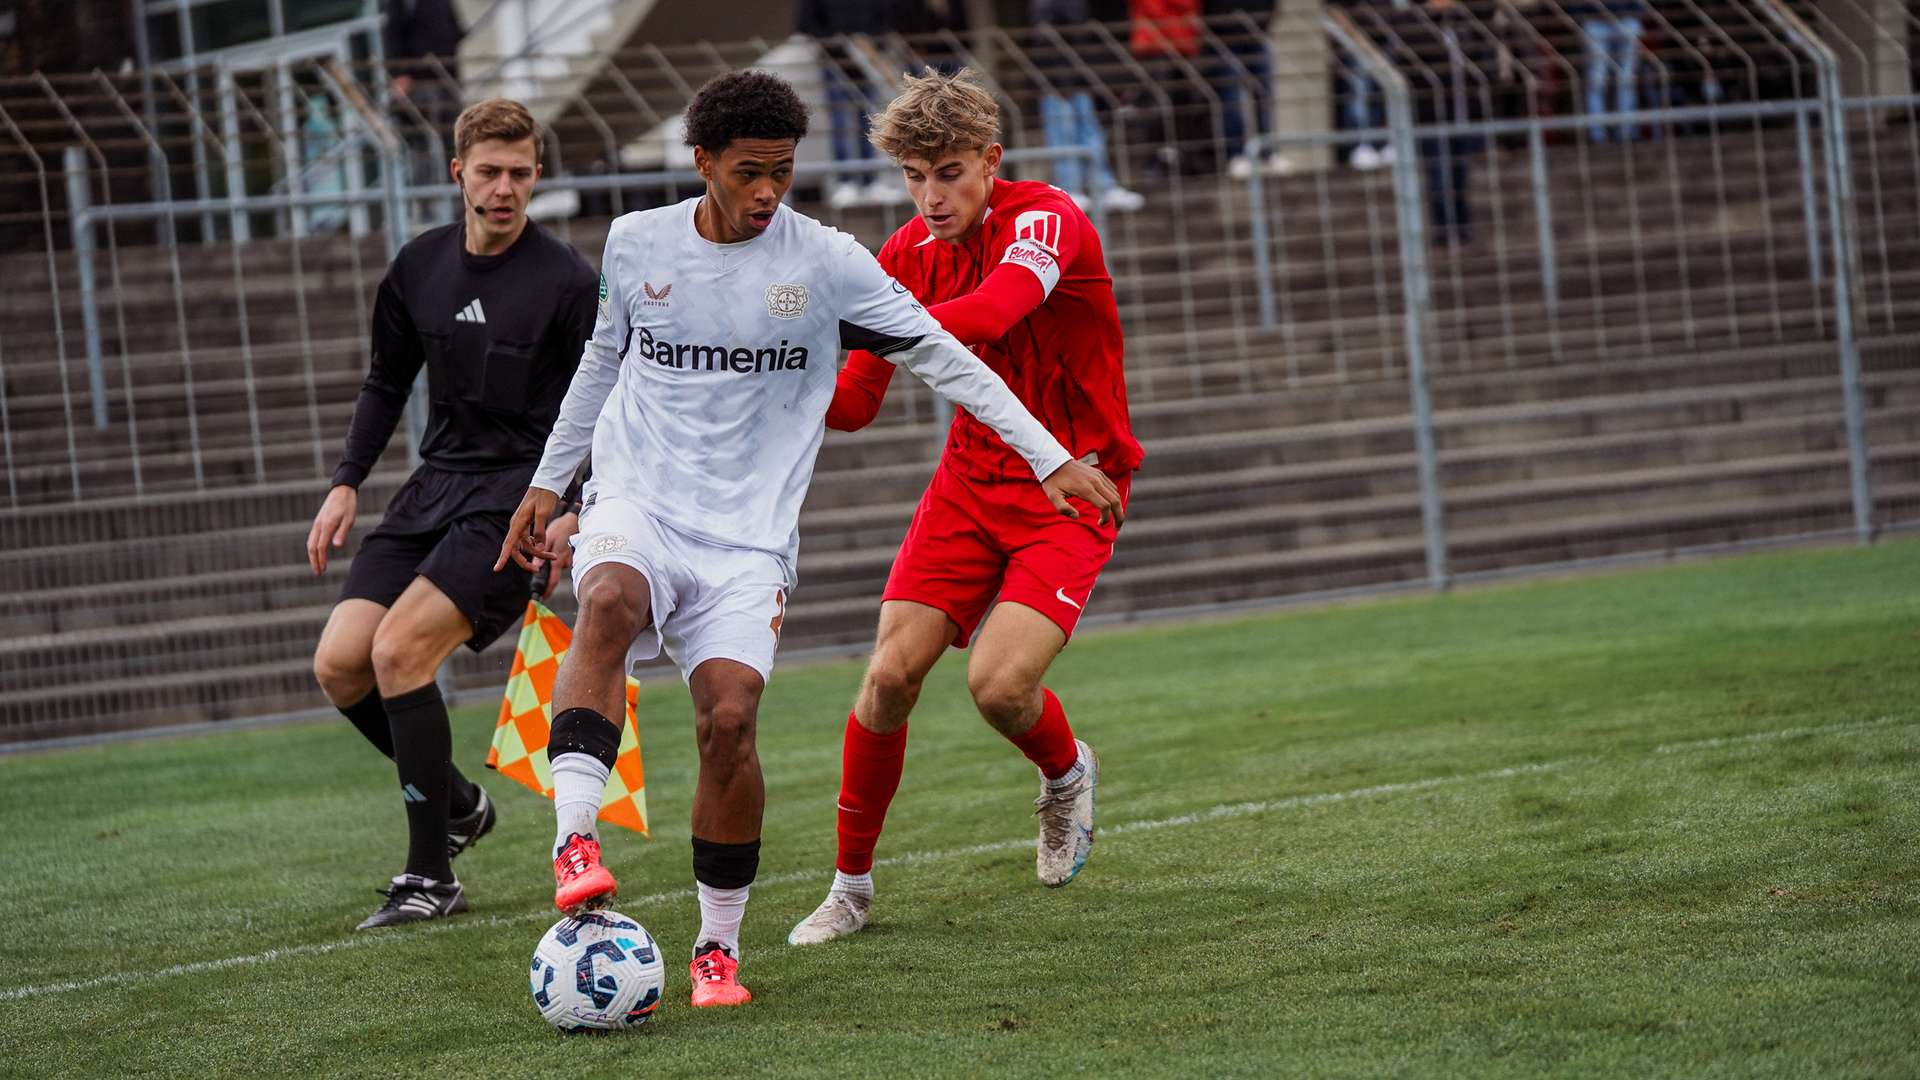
[324, 173]
[1243, 77]
[927, 23]
[1363, 107]
[1362, 104]
[1448, 56]
[1162, 31]
[417, 33]
[1610, 31]
[1068, 114]
[420, 38]
[849, 91]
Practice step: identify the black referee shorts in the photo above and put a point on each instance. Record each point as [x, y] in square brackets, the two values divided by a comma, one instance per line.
[456, 554]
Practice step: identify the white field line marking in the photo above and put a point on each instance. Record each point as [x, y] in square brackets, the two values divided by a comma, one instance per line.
[1769, 736]
[1223, 812]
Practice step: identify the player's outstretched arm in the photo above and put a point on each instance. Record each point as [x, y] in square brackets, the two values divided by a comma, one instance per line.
[880, 316]
[959, 376]
[1011, 293]
[858, 391]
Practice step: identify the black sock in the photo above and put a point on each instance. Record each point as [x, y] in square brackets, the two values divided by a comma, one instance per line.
[370, 717]
[423, 752]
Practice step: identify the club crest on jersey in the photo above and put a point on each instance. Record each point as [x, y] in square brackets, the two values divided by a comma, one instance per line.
[786, 300]
[603, 294]
[656, 297]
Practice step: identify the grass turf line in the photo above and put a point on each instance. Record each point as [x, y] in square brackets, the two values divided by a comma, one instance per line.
[1743, 906]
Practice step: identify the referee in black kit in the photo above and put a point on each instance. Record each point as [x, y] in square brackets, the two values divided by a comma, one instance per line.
[498, 310]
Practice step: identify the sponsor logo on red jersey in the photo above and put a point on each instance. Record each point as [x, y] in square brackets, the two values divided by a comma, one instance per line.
[1040, 226]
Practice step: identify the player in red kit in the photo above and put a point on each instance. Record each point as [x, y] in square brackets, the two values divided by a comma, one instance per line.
[1016, 271]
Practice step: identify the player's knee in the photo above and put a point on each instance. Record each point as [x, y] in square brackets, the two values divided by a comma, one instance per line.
[1004, 700]
[400, 660]
[609, 614]
[725, 729]
[892, 686]
[343, 677]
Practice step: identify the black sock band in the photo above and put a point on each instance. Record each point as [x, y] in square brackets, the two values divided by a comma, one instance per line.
[725, 866]
[423, 756]
[583, 731]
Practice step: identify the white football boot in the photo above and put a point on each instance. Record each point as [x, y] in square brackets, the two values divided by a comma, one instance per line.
[839, 915]
[1066, 823]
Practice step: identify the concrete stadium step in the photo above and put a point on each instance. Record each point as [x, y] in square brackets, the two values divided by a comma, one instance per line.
[294, 425]
[1382, 562]
[155, 519]
[1194, 462]
[832, 570]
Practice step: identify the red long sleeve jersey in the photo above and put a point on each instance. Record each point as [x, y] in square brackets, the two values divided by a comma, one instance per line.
[1063, 358]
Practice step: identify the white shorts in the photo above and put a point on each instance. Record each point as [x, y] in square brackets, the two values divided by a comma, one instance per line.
[710, 601]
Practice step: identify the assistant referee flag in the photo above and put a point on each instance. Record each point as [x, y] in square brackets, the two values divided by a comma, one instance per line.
[526, 718]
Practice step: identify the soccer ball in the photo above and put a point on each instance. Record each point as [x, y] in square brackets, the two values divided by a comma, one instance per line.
[600, 971]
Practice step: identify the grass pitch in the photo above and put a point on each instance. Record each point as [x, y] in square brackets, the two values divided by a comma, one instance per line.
[1660, 822]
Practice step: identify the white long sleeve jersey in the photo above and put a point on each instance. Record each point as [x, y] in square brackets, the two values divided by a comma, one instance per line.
[704, 390]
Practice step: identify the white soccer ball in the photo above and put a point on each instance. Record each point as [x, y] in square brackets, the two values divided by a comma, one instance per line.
[599, 971]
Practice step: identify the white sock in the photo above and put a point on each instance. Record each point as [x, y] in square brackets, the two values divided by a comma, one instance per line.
[720, 913]
[579, 783]
[1071, 775]
[852, 883]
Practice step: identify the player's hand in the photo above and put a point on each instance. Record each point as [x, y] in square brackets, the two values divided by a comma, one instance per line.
[331, 524]
[559, 531]
[527, 533]
[1079, 480]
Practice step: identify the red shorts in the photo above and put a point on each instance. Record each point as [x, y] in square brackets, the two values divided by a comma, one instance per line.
[971, 540]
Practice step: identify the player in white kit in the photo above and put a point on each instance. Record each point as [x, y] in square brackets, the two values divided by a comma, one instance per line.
[703, 394]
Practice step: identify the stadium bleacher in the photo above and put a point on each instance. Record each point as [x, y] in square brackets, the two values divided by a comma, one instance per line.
[1684, 392]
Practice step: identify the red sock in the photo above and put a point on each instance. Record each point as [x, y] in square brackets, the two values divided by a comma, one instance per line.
[1049, 742]
[870, 767]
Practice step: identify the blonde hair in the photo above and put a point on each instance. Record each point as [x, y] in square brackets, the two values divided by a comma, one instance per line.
[937, 113]
[495, 118]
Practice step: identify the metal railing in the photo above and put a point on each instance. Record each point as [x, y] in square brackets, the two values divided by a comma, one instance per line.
[1704, 336]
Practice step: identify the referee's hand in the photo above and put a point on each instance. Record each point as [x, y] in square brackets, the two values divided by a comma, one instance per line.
[331, 524]
[1082, 481]
[527, 533]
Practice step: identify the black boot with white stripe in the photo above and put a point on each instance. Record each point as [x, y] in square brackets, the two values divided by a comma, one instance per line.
[411, 898]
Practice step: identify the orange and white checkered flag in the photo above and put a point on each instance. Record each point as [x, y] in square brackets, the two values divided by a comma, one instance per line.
[526, 719]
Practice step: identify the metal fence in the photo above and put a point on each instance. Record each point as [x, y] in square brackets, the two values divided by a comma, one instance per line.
[1698, 332]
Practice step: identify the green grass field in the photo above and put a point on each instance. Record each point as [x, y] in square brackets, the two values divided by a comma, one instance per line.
[1652, 823]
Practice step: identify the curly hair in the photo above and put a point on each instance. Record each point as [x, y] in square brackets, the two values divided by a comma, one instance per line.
[744, 105]
[937, 113]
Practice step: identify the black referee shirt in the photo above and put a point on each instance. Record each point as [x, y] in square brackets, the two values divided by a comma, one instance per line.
[500, 336]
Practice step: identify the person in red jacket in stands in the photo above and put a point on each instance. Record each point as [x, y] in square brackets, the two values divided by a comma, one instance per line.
[1015, 271]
